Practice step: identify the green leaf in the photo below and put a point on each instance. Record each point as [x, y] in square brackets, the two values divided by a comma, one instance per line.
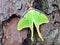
[32, 16]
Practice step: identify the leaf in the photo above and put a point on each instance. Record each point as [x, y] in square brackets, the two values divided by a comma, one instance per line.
[32, 16]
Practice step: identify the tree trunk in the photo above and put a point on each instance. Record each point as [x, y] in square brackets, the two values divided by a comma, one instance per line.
[12, 10]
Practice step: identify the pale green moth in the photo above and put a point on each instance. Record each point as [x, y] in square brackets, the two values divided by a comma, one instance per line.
[30, 17]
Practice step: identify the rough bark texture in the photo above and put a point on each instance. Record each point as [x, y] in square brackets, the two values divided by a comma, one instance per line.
[50, 31]
[11, 35]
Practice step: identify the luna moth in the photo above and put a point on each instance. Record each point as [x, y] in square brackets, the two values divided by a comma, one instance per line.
[30, 17]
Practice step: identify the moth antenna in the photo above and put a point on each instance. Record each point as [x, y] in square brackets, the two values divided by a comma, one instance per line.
[29, 4]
